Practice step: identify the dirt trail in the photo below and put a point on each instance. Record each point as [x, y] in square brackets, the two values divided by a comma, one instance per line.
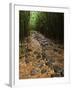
[40, 57]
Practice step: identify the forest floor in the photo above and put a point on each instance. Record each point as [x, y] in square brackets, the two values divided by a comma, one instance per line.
[40, 57]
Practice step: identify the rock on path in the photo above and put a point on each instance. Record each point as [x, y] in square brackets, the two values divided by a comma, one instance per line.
[42, 57]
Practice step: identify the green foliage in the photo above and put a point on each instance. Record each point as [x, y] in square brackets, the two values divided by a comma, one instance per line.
[56, 26]
[33, 19]
[50, 24]
[24, 17]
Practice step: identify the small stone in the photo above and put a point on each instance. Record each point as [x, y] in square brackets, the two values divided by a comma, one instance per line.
[43, 71]
[49, 64]
[50, 61]
[58, 69]
[40, 65]
[33, 72]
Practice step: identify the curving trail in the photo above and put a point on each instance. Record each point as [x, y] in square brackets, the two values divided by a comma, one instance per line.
[40, 57]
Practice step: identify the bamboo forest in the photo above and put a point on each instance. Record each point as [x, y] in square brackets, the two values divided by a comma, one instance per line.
[41, 44]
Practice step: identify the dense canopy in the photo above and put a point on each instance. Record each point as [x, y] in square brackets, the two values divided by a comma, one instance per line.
[50, 24]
